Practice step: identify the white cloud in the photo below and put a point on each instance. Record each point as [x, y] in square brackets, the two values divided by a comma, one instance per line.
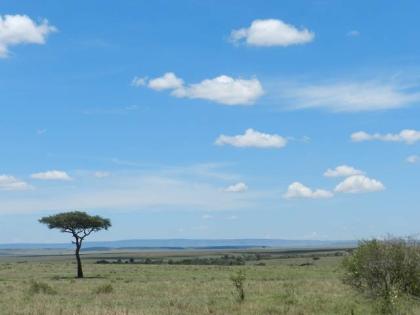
[238, 187]
[349, 97]
[168, 81]
[206, 217]
[51, 175]
[223, 89]
[253, 138]
[272, 32]
[359, 184]
[342, 171]
[20, 29]
[413, 159]
[8, 182]
[408, 136]
[298, 190]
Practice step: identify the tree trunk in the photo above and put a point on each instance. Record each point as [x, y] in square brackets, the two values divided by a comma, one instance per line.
[79, 262]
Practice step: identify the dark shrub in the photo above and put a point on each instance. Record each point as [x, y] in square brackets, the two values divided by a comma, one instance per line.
[385, 269]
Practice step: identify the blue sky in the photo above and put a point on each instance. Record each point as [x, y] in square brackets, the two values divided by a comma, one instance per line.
[211, 119]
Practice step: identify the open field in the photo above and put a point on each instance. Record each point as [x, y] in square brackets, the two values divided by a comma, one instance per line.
[277, 282]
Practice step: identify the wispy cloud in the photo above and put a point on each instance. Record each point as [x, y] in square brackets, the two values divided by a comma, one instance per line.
[139, 81]
[101, 174]
[353, 96]
[408, 136]
[52, 175]
[133, 192]
[10, 183]
[122, 110]
[353, 33]
[191, 188]
[413, 159]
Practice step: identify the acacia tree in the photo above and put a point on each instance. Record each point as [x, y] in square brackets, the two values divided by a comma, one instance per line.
[80, 225]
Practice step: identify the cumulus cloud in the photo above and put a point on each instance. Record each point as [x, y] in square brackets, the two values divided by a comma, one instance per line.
[222, 89]
[8, 182]
[51, 175]
[413, 159]
[408, 136]
[20, 29]
[238, 187]
[349, 96]
[342, 171]
[298, 190]
[253, 138]
[359, 184]
[271, 32]
[169, 81]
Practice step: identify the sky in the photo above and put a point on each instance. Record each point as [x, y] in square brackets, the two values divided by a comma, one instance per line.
[211, 119]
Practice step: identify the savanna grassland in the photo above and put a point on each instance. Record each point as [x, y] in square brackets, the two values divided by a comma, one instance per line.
[303, 283]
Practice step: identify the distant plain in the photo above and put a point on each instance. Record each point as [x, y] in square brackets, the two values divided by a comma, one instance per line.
[179, 282]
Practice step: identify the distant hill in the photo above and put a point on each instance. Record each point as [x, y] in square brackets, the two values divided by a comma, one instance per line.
[188, 243]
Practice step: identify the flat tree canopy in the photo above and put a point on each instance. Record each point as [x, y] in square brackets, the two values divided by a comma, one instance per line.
[80, 225]
[76, 222]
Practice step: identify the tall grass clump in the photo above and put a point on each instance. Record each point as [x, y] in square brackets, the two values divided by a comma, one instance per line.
[385, 270]
[36, 287]
[104, 289]
[238, 280]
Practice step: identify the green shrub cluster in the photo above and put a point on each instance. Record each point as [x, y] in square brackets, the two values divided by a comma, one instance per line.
[385, 270]
[225, 260]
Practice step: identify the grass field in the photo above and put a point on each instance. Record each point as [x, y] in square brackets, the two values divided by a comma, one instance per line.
[283, 283]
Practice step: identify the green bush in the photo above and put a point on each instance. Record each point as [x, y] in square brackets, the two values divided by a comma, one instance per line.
[385, 270]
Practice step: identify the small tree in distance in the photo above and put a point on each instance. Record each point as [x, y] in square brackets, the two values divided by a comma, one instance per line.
[80, 225]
